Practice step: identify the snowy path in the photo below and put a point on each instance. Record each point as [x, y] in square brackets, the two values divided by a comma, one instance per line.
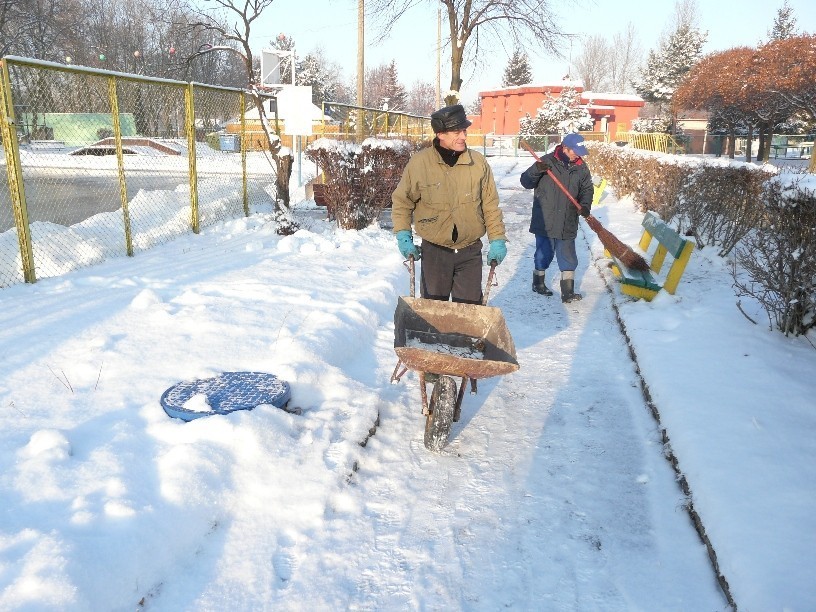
[553, 494]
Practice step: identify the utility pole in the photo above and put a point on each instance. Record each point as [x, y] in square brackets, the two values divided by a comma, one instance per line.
[438, 56]
[360, 66]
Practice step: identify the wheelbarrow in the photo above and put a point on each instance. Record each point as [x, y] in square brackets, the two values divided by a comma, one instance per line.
[446, 340]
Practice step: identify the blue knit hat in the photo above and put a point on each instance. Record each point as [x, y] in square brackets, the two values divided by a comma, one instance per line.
[574, 141]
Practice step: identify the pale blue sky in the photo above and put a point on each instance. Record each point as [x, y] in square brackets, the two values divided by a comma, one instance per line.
[332, 24]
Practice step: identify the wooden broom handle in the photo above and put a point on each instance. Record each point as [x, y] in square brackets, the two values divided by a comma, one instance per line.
[552, 176]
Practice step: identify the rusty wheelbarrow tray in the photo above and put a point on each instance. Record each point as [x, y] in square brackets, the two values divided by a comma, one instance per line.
[467, 340]
[448, 339]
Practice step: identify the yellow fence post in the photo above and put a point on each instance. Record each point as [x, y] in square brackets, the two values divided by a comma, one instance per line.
[120, 161]
[8, 124]
[189, 119]
[241, 140]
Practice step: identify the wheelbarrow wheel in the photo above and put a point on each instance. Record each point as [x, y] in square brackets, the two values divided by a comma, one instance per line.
[440, 420]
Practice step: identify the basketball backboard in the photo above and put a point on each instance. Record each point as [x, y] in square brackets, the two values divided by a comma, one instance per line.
[274, 62]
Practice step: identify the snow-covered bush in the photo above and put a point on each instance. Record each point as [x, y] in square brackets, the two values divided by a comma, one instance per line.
[359, 179]
[717, 202]
[559, 115]
[652, 179]
[659, 125]
[776, 263]
[722, 204]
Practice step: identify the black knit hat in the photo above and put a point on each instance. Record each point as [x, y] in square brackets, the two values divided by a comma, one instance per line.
[449, 119]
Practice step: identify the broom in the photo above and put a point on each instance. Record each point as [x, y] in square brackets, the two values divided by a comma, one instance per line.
[611, 243]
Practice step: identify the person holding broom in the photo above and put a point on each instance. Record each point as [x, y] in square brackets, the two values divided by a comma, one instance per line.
[554, 219]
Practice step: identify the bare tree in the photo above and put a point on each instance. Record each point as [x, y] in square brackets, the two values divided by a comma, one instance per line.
[15, 22]
[242, 14]
[686, 17]
[421, 98]
[624, 58]
[592, 65]
[485, 24]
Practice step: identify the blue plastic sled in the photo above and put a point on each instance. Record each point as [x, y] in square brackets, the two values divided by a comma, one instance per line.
[227, 392]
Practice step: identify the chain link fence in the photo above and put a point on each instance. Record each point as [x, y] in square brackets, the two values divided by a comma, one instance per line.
[101, 164]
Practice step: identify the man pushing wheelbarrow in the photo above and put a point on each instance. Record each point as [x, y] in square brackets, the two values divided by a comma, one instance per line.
[448, 195]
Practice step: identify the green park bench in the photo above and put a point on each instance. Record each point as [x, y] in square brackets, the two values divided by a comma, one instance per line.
[646, 285]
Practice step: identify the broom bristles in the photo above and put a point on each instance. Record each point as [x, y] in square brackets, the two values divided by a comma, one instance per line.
[618, 249]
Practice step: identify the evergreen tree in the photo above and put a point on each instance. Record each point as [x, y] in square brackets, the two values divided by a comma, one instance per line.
[559, 115]
[517, 71]
[397, 96]
[324, 77]
[784, 23]
[666, 67]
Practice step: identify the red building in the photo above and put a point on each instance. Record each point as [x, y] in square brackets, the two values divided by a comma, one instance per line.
[502, 108]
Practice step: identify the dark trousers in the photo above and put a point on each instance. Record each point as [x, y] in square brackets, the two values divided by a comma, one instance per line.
[452, 274]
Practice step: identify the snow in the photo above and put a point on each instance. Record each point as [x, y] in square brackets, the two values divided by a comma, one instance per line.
[590, 95]
[553, 494]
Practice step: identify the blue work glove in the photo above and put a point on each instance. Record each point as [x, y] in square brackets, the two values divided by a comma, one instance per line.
[405, 242]
[497, 251]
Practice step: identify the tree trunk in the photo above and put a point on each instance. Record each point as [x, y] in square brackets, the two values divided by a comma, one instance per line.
[456, 73]
[283, 163]
[761, 149]
[284, 170]
[749, 142]
[768, 142]
[457, 49]
[732, 142]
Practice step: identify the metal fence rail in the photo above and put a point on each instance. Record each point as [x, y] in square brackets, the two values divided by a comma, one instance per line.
[356, 123]
[100, 164]
[508, 145]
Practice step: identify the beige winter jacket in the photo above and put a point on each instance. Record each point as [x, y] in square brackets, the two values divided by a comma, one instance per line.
[437, 197]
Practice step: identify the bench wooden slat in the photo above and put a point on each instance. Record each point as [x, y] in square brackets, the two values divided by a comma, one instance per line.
[670, 240]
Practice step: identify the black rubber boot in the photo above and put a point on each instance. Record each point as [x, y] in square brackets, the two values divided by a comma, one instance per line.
[568, 291]
[538, 283]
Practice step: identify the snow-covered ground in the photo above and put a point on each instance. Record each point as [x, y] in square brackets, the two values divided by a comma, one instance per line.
[553, 494]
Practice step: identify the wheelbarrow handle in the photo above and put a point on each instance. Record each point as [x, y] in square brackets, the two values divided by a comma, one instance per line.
[490, 276]
[412, 271]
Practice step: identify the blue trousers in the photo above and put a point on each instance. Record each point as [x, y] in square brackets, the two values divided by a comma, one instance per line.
[548, 248]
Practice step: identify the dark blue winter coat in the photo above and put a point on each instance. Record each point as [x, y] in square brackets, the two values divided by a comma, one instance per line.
[553, 214]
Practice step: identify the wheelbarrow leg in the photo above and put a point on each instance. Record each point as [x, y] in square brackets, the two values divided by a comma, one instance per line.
[425, 410]
[395, 377]
[457, 410]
